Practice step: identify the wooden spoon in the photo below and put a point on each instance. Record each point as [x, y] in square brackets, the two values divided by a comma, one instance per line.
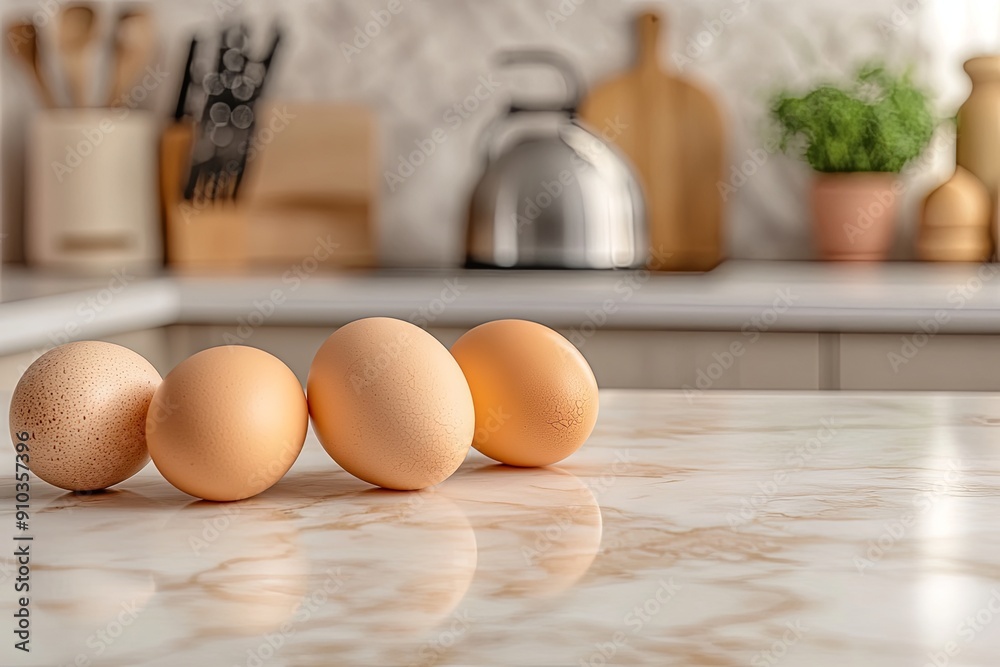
[134, 43]
[76, 30]
[22, 40]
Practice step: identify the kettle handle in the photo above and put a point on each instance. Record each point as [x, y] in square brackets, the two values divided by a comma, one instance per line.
[539, 56]
[557, 62]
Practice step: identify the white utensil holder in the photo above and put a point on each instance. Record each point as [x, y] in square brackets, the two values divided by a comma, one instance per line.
[92, 202]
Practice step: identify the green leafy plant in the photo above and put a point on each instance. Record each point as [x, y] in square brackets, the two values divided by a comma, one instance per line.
[878, 123]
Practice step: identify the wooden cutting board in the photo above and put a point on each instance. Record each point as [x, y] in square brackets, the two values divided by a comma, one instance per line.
[673, 133]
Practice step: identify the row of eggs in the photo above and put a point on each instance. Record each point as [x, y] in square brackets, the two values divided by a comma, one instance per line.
[388, 402]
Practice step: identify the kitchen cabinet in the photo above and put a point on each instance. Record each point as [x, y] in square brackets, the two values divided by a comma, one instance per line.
[916, 362]
[691, 361]
[637, 359]
[745, 325]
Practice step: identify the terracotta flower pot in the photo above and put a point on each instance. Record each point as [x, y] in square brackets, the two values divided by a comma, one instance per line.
[855, 214]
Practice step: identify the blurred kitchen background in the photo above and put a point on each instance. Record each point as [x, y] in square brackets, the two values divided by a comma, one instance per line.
[432, 54]
[370, 123]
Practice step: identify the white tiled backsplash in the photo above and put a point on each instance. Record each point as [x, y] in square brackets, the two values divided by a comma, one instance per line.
[432, 54]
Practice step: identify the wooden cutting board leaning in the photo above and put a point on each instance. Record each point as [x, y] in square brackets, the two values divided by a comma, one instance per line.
[673, 133]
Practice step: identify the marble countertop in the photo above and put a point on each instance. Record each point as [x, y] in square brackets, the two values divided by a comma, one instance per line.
[787, 296]
[729, 529]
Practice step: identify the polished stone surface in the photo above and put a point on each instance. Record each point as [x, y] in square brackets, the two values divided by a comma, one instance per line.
[718, 529]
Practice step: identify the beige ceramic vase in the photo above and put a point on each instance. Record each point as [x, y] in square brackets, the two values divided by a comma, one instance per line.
[955, 221]
[855, 214]
[978, 144]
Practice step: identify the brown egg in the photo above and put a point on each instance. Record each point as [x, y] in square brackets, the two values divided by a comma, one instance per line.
[390, 405]
[227, 423]
[81, 410]
[535, 395]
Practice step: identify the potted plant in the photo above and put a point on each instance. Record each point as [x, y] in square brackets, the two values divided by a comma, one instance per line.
[857, 138]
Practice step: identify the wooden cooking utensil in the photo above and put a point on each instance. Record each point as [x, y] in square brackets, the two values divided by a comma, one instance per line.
[22, 40]
[673, 133]
[134, 44]
[76, 29]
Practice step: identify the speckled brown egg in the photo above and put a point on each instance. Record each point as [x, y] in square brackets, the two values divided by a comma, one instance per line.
[227, 423]
[535, 395]
[390, 405]
[81, 409]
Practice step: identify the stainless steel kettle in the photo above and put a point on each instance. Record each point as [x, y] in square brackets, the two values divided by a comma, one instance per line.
[553, 194]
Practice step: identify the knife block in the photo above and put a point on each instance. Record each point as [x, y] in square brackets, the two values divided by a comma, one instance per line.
[309, 192]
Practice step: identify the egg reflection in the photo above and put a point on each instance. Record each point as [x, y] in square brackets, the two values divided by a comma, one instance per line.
[539, 529]
[404, 561]
[235, 569]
